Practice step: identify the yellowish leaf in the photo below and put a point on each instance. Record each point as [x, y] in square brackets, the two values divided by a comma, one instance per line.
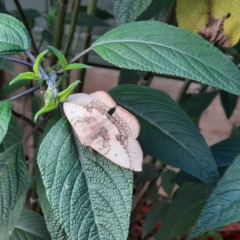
[231, 26]
[192, 14]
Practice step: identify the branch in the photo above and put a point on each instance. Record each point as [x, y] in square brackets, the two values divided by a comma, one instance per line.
[81, 55]
[30, 90]
[17, 60]
[29, 121]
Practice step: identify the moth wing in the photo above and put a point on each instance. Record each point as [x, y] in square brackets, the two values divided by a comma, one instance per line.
[128, 155]
[86, 123]
[105, 98]
[130, 120]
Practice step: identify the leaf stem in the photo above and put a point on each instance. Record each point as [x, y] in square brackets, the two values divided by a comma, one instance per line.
[72, 27]
[86, 51]
[30, 90]
[29, 121]
[25, 22]
[62, 9]
[17, 60]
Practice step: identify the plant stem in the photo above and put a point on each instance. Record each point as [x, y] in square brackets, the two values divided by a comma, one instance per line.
[72, 27]
[17, 61]
[62, 9]
[183, 90]
[25, 22]
[90, 10]
[29, 121]
[30, 90]
[86, 51]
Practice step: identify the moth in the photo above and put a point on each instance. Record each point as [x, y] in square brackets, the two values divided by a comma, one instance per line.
[107, 128]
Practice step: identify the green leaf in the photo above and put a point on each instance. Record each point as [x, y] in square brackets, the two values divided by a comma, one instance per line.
[5, 113]
[86, 20]
[2, 8]
[127, 11]
[38, 61]
[14, 134]
[13, 188]
[54, 227]
[76, 66]
[195, 104]
[9, 89]
[129, 76]
[229, 102]
[30, 226]
[161, 48]
[167, 133]
[14, 37]
[24, 76]
[90, 204]
[48, 36]
[154, 215]
[226, 151]
[167, 185]
[59, 55]
[223, 206]
[149, 172]
[214, 234]
[183, 211]
[183, 177]
[99, 13]
[29, 13]
[157, 8]
[7, 65]
[62, 96]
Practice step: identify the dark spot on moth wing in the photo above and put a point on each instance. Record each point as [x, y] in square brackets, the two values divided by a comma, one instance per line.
[111, 111]
[127, 119]
[104, 98]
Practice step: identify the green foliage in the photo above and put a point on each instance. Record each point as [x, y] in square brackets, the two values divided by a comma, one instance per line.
[177, 145]
[158, 47]
[5, 112]
[229, 102]
[24, 76]
[222, 207]
[61, 170]
[14, 37]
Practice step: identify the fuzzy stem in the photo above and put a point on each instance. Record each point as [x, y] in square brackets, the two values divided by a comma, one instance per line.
[62, 9]
[86, 51]
[72, 27]
[25, 22]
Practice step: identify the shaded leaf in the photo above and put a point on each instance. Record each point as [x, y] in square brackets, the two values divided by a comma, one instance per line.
[86, 20]
[30, 226]
[129, 76]
[154, 215]
[183, 211]
[13, 135]
[157, 8]
[127, 11]
[99, 13]
[167, 133]
[223, 206]
[167, 184]
[5, 113]
[14, 185]
[149, 172]
[158, 47]
[7, 65]
[47, 36]
[14, 37]
[229, 102]
[104, 189]
[29, 13]
[183, 177]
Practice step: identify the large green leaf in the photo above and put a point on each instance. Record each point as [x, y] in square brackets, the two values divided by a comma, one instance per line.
[14, 37]
[223, 206]
[5, 113]
[13, 188]
[13, 135]
[226, 151]
[161, 48]
[128, 10]
[167, 133]
[86, 20]
[183, 211]
[129, 76]
[157, 8]
[93, 203]
[30, 226]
